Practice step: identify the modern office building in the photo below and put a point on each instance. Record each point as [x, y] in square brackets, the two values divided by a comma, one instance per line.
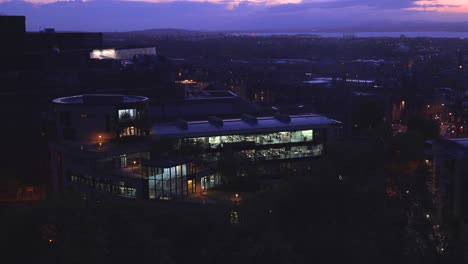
[107, 143]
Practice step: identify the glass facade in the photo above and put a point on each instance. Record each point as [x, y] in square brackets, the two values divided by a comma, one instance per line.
[283, 152]
[117, 188]
[170, 182]
[286, 137]
[255, 146]
[210, 181]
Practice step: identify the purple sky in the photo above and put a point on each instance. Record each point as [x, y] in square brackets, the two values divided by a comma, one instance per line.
[123, 15]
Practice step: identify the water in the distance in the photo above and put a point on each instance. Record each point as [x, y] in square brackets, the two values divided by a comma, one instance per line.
[430, 34]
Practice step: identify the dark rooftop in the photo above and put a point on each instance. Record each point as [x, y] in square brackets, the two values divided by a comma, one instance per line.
[240, 126]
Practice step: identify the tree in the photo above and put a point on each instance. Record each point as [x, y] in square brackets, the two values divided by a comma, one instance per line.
[429, 129]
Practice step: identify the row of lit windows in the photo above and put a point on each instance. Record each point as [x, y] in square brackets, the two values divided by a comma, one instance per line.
[104, 186]
[258, 139]
[283, 153]
[132, 131]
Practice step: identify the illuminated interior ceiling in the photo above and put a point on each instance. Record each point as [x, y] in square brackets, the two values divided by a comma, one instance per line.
[103, 54]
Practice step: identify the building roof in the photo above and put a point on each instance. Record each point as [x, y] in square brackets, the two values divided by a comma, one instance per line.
[462, 142]
[100, 99]
[241, 126]
[454, 147]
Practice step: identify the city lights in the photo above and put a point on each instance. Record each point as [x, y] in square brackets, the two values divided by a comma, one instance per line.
[272, 115]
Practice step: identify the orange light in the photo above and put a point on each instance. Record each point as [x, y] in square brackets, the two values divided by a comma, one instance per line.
[50, 241]
[100, 136]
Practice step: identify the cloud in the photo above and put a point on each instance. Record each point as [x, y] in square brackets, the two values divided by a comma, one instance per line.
[443, 6]
[123, 15]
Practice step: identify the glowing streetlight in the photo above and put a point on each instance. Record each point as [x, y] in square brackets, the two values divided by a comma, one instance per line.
[427, 216]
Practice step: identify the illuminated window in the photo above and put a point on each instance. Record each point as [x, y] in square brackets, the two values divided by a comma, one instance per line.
[130, 131]
[126, 115]
[166, 183]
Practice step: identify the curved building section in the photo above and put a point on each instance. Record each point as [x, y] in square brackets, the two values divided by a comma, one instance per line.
[93, 117]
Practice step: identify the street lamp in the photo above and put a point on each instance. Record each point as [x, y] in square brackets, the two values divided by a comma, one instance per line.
[133, 167]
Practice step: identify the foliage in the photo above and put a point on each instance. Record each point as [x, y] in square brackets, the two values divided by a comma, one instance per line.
[409, 146]
[429, 129]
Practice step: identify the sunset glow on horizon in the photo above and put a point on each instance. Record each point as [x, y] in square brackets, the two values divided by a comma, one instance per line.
[228, 3]
[110, 15]
[443, 6]
[440, 6]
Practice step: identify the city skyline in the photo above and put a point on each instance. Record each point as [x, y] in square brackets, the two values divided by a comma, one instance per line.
[113, 15]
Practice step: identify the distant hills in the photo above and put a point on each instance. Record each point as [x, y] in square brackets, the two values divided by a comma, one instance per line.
[403, 26]
[380, 26]
[167, 32]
